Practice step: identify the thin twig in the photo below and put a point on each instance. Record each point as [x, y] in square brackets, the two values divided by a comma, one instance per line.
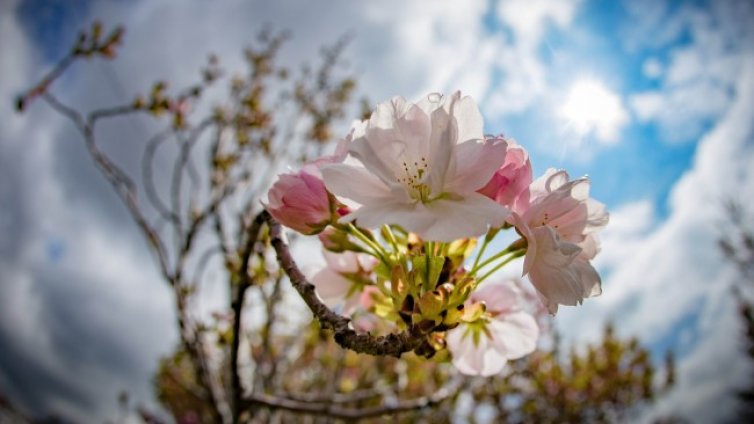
[147, 176]
[120, 181]
[352, 397]
[126, 189]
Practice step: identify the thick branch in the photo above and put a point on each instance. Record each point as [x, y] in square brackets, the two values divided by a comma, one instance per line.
[252, 235]
[393, 344]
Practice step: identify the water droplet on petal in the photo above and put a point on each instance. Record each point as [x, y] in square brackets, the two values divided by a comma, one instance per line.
[434, 97]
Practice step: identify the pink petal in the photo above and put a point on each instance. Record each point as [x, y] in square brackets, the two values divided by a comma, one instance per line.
[476, 163]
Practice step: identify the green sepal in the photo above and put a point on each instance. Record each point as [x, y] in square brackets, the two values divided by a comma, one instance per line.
[428, 270]
[431, 304]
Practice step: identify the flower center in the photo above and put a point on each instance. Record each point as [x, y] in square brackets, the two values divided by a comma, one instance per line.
[478, 329]
[413, 179]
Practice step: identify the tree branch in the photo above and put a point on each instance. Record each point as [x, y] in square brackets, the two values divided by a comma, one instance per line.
[335, 410]
[393, 344]
[252, 235]
[126, 189]
[147, 176]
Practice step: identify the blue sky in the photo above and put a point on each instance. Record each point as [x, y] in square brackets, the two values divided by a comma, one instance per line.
[669, 140]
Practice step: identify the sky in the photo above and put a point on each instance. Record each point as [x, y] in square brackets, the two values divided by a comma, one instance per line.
[654, 100]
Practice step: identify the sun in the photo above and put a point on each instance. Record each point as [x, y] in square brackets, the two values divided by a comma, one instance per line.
[592, 107]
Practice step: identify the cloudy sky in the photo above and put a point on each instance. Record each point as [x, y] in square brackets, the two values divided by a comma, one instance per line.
[654, 100]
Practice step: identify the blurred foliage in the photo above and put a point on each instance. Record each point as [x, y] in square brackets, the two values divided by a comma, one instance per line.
[737, 246]
[607, 381]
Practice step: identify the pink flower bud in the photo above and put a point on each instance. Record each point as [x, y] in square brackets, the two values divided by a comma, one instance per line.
[509, 185]
[301, 202]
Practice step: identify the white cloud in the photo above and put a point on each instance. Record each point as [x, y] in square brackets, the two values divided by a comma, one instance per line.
[698, 80]
[529, 19]
[624, 236]
[524, 77]
[673, 278]
[652, 68]
[682, 112]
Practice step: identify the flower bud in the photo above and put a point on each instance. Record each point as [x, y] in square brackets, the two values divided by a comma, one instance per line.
[300, 202]
[336, 240]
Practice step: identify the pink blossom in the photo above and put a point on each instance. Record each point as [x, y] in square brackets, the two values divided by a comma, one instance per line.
[559, 226]
[345, 280]
[509, 185]
[503, 332]
[565, 206]
[300, 201]
[558, 269]
[419, 165]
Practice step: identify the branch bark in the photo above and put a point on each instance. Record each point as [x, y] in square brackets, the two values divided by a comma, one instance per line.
[394, 344]
[244, 283]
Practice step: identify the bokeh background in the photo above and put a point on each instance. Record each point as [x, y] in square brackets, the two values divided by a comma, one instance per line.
[654, 100]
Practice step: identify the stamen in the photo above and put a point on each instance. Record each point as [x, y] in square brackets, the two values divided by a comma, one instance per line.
[412, 179]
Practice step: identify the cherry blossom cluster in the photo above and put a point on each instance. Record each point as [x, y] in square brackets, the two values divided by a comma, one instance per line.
[408, 210]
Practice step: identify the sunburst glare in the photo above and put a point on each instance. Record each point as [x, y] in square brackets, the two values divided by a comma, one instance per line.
[592, 107]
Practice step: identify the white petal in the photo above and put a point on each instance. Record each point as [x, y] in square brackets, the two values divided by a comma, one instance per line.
[590, 246]
[354, 183]
[441, 144]
[346, 262]
[467, 217]
[381, 166]
[431, 102]
[556, 180]
[331, 287]
[397, 132]
[591, 283]
[531, 249]
[407, 215]
[475, 163]
[551, 271]
[597, 216]
[469, 120]
[499, 296]
[538, 187]
[515, 334]
[493, 362]
[481, 359]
